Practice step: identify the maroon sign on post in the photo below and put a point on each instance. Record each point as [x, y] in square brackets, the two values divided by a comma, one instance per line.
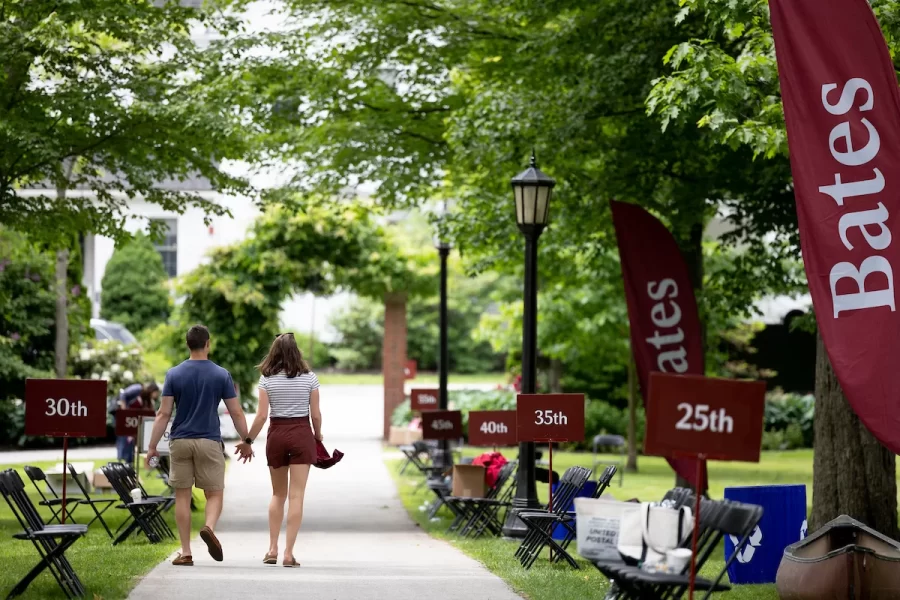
[128, 421]
[423, 400]
[441, 425]
[410, 369]
[550, 417]
[690, 415]
[65, 407]
[492, 428]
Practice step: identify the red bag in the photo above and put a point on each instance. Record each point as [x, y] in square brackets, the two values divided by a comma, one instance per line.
[492, 463]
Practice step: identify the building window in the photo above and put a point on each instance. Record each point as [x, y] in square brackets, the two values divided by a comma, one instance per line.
[168, 245]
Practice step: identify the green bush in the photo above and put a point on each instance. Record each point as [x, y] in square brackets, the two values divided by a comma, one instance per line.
[134, 291]
[793, 415]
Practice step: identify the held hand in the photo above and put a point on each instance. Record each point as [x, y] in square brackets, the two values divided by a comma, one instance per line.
[245, 451]
[151, 452]
[319, 436]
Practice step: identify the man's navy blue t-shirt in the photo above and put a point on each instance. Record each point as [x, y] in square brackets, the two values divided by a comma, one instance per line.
[198, 386]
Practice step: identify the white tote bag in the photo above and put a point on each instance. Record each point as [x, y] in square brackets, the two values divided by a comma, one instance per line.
[649, 530]
[597, 528]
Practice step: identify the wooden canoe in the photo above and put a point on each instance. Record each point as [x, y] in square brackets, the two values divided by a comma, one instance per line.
[844, 560]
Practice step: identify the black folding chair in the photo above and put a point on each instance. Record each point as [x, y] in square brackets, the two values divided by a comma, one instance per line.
[50, 541]
[717, 519]
[475, 515]
[567, 520]
[540, 523]
[54, 502]
[144, 514]
[93, 503]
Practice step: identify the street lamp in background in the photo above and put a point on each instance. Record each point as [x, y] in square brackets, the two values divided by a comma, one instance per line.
[532, 190]
[443, 247]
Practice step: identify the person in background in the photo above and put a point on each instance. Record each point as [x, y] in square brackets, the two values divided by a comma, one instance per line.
[289, 391]
[149, 396]
[129, 398]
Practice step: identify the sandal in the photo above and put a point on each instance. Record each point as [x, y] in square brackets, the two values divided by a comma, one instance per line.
[183, 561]
[291, 564]
[270, 559]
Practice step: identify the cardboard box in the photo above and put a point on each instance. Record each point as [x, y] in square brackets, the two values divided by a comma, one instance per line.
[100, 480]
[468, 481]
[401, 436]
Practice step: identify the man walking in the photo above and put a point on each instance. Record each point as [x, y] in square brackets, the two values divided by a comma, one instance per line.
[195, 388]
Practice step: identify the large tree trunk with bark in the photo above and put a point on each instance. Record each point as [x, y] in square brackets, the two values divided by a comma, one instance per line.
[632, 466]
[853, 474]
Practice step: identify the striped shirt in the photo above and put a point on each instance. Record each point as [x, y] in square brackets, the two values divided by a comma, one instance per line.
[289, 396]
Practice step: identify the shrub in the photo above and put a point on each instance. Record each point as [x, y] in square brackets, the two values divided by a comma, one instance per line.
[793, 415]
[133, 291]
[118, 364]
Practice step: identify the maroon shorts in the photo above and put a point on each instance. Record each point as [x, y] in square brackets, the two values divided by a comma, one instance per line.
[290, 442]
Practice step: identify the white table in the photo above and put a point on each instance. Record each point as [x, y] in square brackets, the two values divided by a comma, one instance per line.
[84, 471]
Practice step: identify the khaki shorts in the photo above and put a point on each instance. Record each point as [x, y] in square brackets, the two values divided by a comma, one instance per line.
[197, 462]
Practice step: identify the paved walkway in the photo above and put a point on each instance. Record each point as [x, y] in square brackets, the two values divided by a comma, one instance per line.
[357, 542]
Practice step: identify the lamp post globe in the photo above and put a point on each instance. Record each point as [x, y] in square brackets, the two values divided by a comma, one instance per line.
[532, 190]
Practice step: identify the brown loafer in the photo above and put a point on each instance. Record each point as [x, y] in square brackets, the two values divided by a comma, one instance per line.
[270, 559]
[183, 561]
[212, 543]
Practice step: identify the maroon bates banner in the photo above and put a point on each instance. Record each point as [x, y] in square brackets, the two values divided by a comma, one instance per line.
[842, 108]
[665, 325]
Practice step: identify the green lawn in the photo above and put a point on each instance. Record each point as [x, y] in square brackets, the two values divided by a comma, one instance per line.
[107, 572]
[557, 582]
[421, 378]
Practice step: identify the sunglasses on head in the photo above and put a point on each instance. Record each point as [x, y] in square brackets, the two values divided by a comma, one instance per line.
[281, 334]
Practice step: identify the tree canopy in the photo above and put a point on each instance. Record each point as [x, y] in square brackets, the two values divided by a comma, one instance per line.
[133, 291]
[112, 99]
[325, 247]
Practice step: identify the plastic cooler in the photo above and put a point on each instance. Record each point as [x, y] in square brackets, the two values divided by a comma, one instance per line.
[783, 523]
[559, 532]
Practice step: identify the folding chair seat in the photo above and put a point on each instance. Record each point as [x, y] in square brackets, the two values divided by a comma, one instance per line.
[540, 524]
[144, 514]
[718, 518]
[93, 503]
[54, 502]
[475, 515]
[50, 541]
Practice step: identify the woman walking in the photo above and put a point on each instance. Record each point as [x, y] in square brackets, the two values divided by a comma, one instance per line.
[290, 392]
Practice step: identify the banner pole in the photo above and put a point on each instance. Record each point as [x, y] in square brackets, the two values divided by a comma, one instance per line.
[695, 534]
[65, 475]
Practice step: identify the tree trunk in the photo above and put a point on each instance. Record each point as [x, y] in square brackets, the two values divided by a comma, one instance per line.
[61, 349]
[631, 466]
[62, 312]
[693, 257]
[853, 474]
[555, 386]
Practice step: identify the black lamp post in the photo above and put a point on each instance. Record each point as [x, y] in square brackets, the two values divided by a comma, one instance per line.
[443, 247]
[532, 190]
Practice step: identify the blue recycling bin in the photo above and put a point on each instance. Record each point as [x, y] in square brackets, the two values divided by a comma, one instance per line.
[783, 523]
[559, 532]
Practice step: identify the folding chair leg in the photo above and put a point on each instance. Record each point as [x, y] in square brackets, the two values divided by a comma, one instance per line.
[46, 561]
[99, 517]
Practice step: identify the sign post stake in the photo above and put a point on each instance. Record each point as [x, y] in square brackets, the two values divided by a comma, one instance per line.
[700, 459]
[65, 476]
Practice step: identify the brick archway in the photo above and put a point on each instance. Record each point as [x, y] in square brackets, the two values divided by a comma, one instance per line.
[393, 355]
